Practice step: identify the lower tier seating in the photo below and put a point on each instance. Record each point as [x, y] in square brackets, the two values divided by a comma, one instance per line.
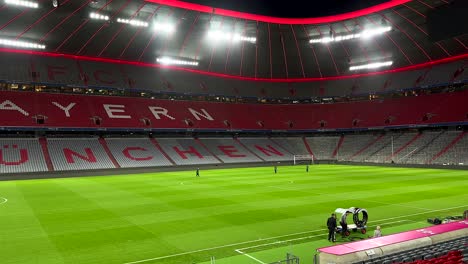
[136, 152]
[228, 150]
[266, 149]
[78, 154]
[33, 155]
[21, 155]
[186, 151]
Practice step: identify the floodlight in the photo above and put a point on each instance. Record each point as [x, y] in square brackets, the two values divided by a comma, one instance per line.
[365, 34]
[164, 27]
[218, 35]
[21, 44]
[97, 16]
[133, 22]
[373, 65]
[172, 61]
[24, 3]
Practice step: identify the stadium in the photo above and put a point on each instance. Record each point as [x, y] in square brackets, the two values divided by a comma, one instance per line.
[170, 131]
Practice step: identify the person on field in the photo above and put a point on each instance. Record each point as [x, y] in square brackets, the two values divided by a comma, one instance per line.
[377, 232]
[276, 169]
[331, 224]
[307, 168]
[197, 173]
[344, 225]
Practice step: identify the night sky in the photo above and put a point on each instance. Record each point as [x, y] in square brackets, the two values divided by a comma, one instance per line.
[291, 8]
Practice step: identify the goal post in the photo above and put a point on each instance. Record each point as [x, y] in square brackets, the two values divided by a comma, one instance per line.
[303, 159]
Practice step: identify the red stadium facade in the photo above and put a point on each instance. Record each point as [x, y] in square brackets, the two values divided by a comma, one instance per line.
[23, 109]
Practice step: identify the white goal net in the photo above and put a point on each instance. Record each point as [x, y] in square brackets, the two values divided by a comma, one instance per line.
[303, 159]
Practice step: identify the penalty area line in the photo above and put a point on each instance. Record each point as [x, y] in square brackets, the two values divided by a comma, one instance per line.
[269, 238]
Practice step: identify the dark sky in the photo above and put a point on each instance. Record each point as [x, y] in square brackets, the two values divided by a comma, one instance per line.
[291, 8]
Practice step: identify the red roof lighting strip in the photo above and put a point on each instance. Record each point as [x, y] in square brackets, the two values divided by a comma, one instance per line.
[393, 41]
[138, 32]
[227, 76]
[280, 20]
[103, 26]
[184, 43]
[315, 55]
[120, 29]
[63, 21]
[298, 51]
[39, 20]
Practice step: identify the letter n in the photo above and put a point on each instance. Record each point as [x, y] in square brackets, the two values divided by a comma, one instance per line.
[69, 155]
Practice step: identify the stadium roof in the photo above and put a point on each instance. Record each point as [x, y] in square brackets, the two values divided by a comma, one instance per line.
[225, 42]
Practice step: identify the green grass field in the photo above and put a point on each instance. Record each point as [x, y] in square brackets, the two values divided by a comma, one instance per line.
[173, 217]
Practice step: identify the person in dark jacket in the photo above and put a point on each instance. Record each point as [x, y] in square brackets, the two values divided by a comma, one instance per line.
[331, 224]
[197, 173]
[276, 169]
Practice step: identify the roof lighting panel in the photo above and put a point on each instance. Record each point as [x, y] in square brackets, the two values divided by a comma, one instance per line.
[133, 22]
[164, 27]
[29, 4]
[21, 44]
[172, 61]
[97, 16]
[365, 34]
[374, 65]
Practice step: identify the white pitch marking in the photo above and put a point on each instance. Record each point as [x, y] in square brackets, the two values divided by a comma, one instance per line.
[269, 238]
[249, 256]
[307, 237]
[4, 200]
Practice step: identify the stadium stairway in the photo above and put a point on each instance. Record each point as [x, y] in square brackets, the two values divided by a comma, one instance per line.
[45, 152]
[250, 151]
[207, 149]
[308, 147]
[109, 153]
[338, 146]
[449, 146]
[156, 144]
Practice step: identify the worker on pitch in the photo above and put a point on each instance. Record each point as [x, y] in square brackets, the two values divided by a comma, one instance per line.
[197, 173]
[276, 169]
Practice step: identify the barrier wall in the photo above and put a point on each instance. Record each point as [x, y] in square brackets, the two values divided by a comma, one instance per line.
[375, 247]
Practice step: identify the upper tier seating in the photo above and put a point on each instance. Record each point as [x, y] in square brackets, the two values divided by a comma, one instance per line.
[21, 155]
[186, 151]
[61, 70]
[78, 154]
[136, 152]
[228, 150]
